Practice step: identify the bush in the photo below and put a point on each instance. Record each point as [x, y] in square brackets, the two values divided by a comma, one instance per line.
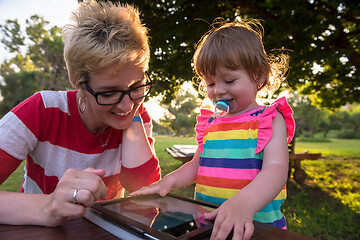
[305, 139]
[306, 134]
[163, 132]
[348, 134]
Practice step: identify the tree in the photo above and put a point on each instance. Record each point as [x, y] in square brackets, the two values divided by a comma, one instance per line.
[37, 50]
[160, 129]
[350, 120]
[182, 117]
[308, 117]
[17, 87]
[355, 118]
[320, 36]
[330, 121]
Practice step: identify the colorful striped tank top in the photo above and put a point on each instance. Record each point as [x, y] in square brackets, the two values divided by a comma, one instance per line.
[232, 155]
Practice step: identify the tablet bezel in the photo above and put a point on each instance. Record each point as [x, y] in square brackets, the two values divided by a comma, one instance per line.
[142, 230]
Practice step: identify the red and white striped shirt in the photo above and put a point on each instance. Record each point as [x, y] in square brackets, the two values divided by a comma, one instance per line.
[46, 129]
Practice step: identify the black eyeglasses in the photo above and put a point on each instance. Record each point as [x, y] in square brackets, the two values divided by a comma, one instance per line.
[114, 97]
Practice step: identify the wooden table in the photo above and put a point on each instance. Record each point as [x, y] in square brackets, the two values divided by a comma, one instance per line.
[80, 228]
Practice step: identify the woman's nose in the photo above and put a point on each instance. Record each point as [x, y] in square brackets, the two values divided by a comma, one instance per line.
[126, 104]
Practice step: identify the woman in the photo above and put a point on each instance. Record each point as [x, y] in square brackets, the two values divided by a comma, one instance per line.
[91, 143]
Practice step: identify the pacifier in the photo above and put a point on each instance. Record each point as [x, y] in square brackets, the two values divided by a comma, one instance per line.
[222, 104]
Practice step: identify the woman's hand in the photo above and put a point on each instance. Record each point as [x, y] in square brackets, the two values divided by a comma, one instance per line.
[232, 215]
[60, 204]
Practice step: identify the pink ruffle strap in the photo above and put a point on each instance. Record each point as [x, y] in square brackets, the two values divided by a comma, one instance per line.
[265, 124]
[202, 121]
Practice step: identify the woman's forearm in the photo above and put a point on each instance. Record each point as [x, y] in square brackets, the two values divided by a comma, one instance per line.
[136, 148]
[22, 208]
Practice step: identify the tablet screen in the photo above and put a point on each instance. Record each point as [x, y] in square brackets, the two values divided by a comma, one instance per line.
[170, 215]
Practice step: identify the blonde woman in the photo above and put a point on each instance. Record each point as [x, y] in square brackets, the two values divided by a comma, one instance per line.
[90, 143]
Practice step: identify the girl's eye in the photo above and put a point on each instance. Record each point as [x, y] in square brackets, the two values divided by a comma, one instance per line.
[209, 84]
[229, 81]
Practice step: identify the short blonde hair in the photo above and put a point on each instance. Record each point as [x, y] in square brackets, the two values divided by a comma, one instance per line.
[103, 34]
[238, 45]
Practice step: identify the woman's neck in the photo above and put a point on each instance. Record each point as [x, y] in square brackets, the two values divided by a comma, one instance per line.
[86, 117]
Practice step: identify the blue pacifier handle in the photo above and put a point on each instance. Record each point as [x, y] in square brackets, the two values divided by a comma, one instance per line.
[222, 105]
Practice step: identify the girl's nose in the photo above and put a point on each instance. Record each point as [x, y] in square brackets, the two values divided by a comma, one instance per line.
[219, 90]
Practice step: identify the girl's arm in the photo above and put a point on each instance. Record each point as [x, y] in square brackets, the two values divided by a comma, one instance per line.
[257, 194]
[274, 173]
[183, 176]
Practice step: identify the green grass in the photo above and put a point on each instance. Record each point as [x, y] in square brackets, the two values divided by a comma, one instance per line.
[329, 146]
[168, 164]
[14, 182]
[325, 206]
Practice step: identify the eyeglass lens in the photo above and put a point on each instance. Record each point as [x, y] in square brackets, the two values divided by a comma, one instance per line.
[114, 97]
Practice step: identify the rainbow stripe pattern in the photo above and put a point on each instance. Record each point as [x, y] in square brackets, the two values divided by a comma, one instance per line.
[229, 162]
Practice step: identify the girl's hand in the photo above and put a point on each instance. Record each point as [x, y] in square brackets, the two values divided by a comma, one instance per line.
[60, 204]
[232, 215]
[161, 187]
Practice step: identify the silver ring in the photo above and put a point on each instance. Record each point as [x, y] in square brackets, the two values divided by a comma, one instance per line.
[75, 194]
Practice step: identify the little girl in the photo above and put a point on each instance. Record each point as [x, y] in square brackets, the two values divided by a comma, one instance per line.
[242, 158]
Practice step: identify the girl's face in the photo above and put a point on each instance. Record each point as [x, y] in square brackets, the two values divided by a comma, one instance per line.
[235, 85]
[97, 118]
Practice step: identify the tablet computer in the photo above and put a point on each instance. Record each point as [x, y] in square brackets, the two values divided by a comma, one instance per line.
[155, 217]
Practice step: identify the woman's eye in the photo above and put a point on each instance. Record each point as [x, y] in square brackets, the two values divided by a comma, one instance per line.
[108, 95]
[138, 89]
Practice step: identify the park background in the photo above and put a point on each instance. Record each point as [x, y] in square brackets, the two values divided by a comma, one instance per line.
[322, 86]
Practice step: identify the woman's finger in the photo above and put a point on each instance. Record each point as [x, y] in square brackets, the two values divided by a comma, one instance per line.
[74, 179]
[99, 172]
[90, 179]
[83, 196]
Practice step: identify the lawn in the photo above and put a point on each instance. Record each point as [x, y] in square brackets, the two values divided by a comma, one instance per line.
[325, 206]
[329, 146]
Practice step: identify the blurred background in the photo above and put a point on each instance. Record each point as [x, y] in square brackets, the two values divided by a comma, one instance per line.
[322, 85]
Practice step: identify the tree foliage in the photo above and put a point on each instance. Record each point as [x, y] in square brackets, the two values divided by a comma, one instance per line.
[38, 49]
[310, 119]
[320, 36]
[37, 61]
[350, 120]
[182, 118]
[17, 87]
[307, 116]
